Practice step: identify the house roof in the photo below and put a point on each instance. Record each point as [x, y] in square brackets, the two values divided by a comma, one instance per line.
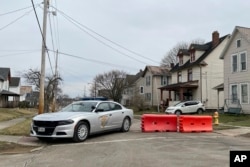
[14, 81]
[157, 70]
[130, 79]
[200, 46]
[4, 73]
[219, 87]
[1, 78]
[189, 84]
[8, 93]
[184, 52]
[200, 61]
[245, 34]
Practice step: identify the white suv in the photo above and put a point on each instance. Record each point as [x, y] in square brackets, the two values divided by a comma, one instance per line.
[186, 107]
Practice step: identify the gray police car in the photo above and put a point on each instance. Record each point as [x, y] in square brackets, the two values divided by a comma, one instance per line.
[81, 119]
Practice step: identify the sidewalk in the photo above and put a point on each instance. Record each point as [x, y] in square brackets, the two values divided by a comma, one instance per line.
[239, 130]
[25, 140]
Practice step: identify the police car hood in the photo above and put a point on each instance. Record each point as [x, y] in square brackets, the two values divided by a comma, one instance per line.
[57, 116]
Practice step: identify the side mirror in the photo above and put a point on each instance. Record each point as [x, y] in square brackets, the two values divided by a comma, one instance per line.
[99, 110]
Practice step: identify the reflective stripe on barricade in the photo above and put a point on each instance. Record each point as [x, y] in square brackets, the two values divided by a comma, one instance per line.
[188, 123]
[158, 123]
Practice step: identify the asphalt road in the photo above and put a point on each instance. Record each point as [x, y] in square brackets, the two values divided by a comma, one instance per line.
[134, 149]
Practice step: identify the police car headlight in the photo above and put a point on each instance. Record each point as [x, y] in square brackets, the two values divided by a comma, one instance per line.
[65, 122]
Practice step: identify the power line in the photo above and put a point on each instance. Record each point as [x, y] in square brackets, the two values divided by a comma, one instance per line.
[44, 42]
[77, 24]
[105, 43]
[56, 26]
[51, 33]
[115, 43]
[90, 60]
[14, 54]
[14, 11]
[18, 50]
[15, 20]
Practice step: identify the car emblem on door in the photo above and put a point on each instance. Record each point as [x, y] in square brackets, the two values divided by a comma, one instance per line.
[104, 120]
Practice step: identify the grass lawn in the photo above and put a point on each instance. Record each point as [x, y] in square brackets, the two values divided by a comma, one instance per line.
[234, 119]
[12, 113]
[20, 129]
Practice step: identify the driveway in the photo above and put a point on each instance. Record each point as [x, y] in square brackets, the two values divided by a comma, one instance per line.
[135, 149]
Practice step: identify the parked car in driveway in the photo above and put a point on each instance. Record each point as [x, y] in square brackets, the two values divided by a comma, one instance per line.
[81, 119]
[186, 107]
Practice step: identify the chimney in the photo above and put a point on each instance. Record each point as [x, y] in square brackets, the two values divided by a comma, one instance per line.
[215, 38]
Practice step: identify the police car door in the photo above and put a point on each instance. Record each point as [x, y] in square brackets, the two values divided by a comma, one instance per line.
[104, 116]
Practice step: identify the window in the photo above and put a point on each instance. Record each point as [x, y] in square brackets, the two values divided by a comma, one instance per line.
[147, 80]
[239, 62]
[238, 43]
[180, 60]
[192, 57]
[243, 63]
[104, 107]
[240, 92]
[179, 77]
[141, 90]
[244, 93]
[148, 96]
[190, 75]
[234, 94]
[114, 106]
[234, 63]
[164, 80]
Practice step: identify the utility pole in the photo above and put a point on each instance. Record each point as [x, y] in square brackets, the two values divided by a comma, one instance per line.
[95, 89]
[55, 85]
[42, 78]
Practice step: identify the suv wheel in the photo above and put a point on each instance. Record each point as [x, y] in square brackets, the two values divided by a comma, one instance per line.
[199, 111]
[178, 112]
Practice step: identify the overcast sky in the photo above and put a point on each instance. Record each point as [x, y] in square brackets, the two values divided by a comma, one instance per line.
[94, 36]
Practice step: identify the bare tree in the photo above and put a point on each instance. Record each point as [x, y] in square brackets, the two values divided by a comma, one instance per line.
[109, 84]
[32, 76]
[171, 56]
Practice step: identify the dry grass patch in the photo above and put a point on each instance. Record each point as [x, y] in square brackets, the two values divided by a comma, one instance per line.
[20, 129]
[12, 113]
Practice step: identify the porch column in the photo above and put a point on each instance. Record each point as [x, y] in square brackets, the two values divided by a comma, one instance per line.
[169, 95]
[181, 94]
[161, 94]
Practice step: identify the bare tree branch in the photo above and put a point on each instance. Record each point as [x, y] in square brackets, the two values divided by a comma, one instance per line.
[110, 84]
[171, 55]
[33, 77]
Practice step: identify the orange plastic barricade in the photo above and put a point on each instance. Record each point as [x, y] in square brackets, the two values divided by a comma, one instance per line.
[158, 123]
[188, 123]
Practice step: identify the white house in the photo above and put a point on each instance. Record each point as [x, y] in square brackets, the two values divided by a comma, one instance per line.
[198, 71]
[5, 93]
[236, 70]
